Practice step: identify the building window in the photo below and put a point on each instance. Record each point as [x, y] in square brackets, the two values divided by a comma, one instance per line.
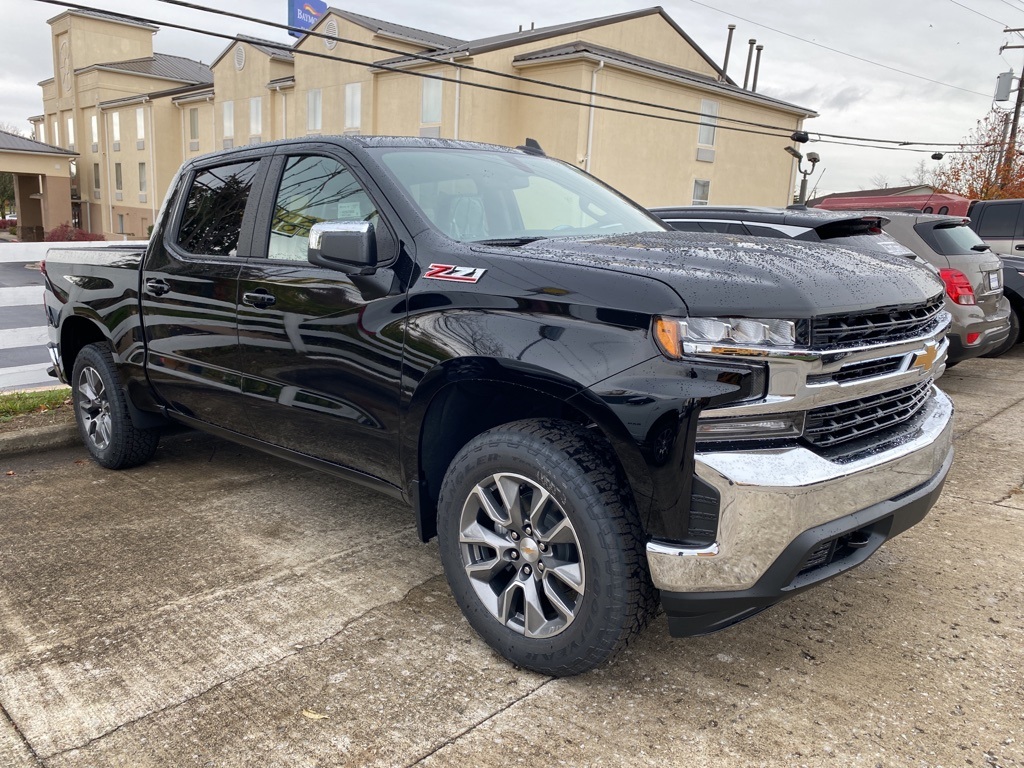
[96, 178]
[115, 130]
[701, 192]
[71, 133]
[118, 182]
[353, 106]
[193, 124]
[255, 117]
[142, 177]
[120, 223]
[229, 124]
[708, 122]
[430, 108]
[41, 132]
[314, 110]
[94, 126]
[56, 133]
[140, 128]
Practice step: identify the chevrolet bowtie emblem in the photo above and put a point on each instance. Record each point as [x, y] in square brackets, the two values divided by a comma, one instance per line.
[925, 360]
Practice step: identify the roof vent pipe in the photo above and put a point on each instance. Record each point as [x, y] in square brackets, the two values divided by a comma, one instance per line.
[757, 68]
[728, 47]
[531, 26]
[750, 56]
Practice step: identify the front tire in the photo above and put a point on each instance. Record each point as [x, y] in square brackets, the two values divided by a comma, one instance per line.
[542, 547]
[101, 411]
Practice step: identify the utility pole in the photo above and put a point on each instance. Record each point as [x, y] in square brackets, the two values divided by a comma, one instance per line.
[1011, 146]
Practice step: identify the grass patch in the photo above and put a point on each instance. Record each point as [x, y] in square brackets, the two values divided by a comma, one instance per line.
[21, 403]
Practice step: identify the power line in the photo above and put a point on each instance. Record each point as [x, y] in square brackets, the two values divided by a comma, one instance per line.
[842, 53]
[785, 132]
[979, 13]
[1015, 7]
[423, 75]
[433, 59]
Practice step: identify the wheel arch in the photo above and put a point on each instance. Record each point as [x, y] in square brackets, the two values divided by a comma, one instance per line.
[465, 397]
[77, 332]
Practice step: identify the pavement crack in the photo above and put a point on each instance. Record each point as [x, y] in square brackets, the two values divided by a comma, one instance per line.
[970, 430]
[472, 727]
[24, 740]
[221, 683]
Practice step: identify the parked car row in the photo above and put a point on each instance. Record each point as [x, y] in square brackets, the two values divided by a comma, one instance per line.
[985, 322]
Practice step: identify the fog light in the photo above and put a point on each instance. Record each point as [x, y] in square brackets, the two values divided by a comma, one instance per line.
[764, 427]
[972, 338]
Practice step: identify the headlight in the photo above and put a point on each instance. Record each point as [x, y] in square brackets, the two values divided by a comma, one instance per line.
[671, 333]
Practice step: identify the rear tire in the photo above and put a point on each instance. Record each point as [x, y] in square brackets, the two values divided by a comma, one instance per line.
[542, 546]
[1012, 339]
[101, 411]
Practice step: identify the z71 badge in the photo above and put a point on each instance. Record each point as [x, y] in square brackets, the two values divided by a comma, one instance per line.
[454, 273]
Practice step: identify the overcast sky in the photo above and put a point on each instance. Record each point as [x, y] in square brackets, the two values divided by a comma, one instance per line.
[941, 40]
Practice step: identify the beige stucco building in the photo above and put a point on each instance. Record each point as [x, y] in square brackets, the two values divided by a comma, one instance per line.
[133, 115]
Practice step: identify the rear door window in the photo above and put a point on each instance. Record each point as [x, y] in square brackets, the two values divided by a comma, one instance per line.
[211, 222]
[999, 220]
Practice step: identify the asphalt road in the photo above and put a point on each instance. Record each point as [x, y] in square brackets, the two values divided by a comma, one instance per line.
[221, 608]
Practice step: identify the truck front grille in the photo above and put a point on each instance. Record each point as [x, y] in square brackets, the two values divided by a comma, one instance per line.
[857, 371]
[834, 424]
[877, 327]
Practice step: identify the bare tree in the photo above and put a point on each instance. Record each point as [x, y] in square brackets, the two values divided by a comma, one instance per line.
[12, 128]
[879, 181]
[922, 174]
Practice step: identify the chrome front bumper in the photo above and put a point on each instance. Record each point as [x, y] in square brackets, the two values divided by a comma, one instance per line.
[769, 497]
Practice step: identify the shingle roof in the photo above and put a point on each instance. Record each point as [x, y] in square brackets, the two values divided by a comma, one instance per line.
[428, 39]
[182, 91]
[581, 47]
[272, 48]
[162, 65]
[12, 142]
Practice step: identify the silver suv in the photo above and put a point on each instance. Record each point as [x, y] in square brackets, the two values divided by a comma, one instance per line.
[971, 272]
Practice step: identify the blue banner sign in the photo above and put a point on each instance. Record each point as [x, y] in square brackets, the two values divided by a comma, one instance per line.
[305, 14]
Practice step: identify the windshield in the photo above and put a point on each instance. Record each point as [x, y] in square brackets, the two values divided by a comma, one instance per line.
[478, 196]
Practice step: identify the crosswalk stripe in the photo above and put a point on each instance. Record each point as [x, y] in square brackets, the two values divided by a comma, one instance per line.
[25, 375]
[22, 296]
[12, 338]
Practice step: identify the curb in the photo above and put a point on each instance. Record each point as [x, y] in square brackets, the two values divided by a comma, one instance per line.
[38, 439]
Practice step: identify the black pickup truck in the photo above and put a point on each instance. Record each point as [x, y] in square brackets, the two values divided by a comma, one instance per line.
[591, 412]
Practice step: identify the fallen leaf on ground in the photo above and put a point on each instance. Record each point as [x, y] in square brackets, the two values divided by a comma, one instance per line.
[313, 715]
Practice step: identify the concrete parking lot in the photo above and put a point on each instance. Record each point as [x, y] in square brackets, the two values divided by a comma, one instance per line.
[222, 608]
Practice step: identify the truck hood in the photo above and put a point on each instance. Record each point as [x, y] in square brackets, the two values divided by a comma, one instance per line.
[752, 276]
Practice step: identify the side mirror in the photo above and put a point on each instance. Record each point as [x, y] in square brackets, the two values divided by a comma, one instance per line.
[347, 246]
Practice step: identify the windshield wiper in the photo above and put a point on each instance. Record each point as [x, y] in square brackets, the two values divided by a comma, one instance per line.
[508, 241]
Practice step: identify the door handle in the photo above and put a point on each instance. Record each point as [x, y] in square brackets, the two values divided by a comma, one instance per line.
[1019, 248]
[156, 286]
[259, 298]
